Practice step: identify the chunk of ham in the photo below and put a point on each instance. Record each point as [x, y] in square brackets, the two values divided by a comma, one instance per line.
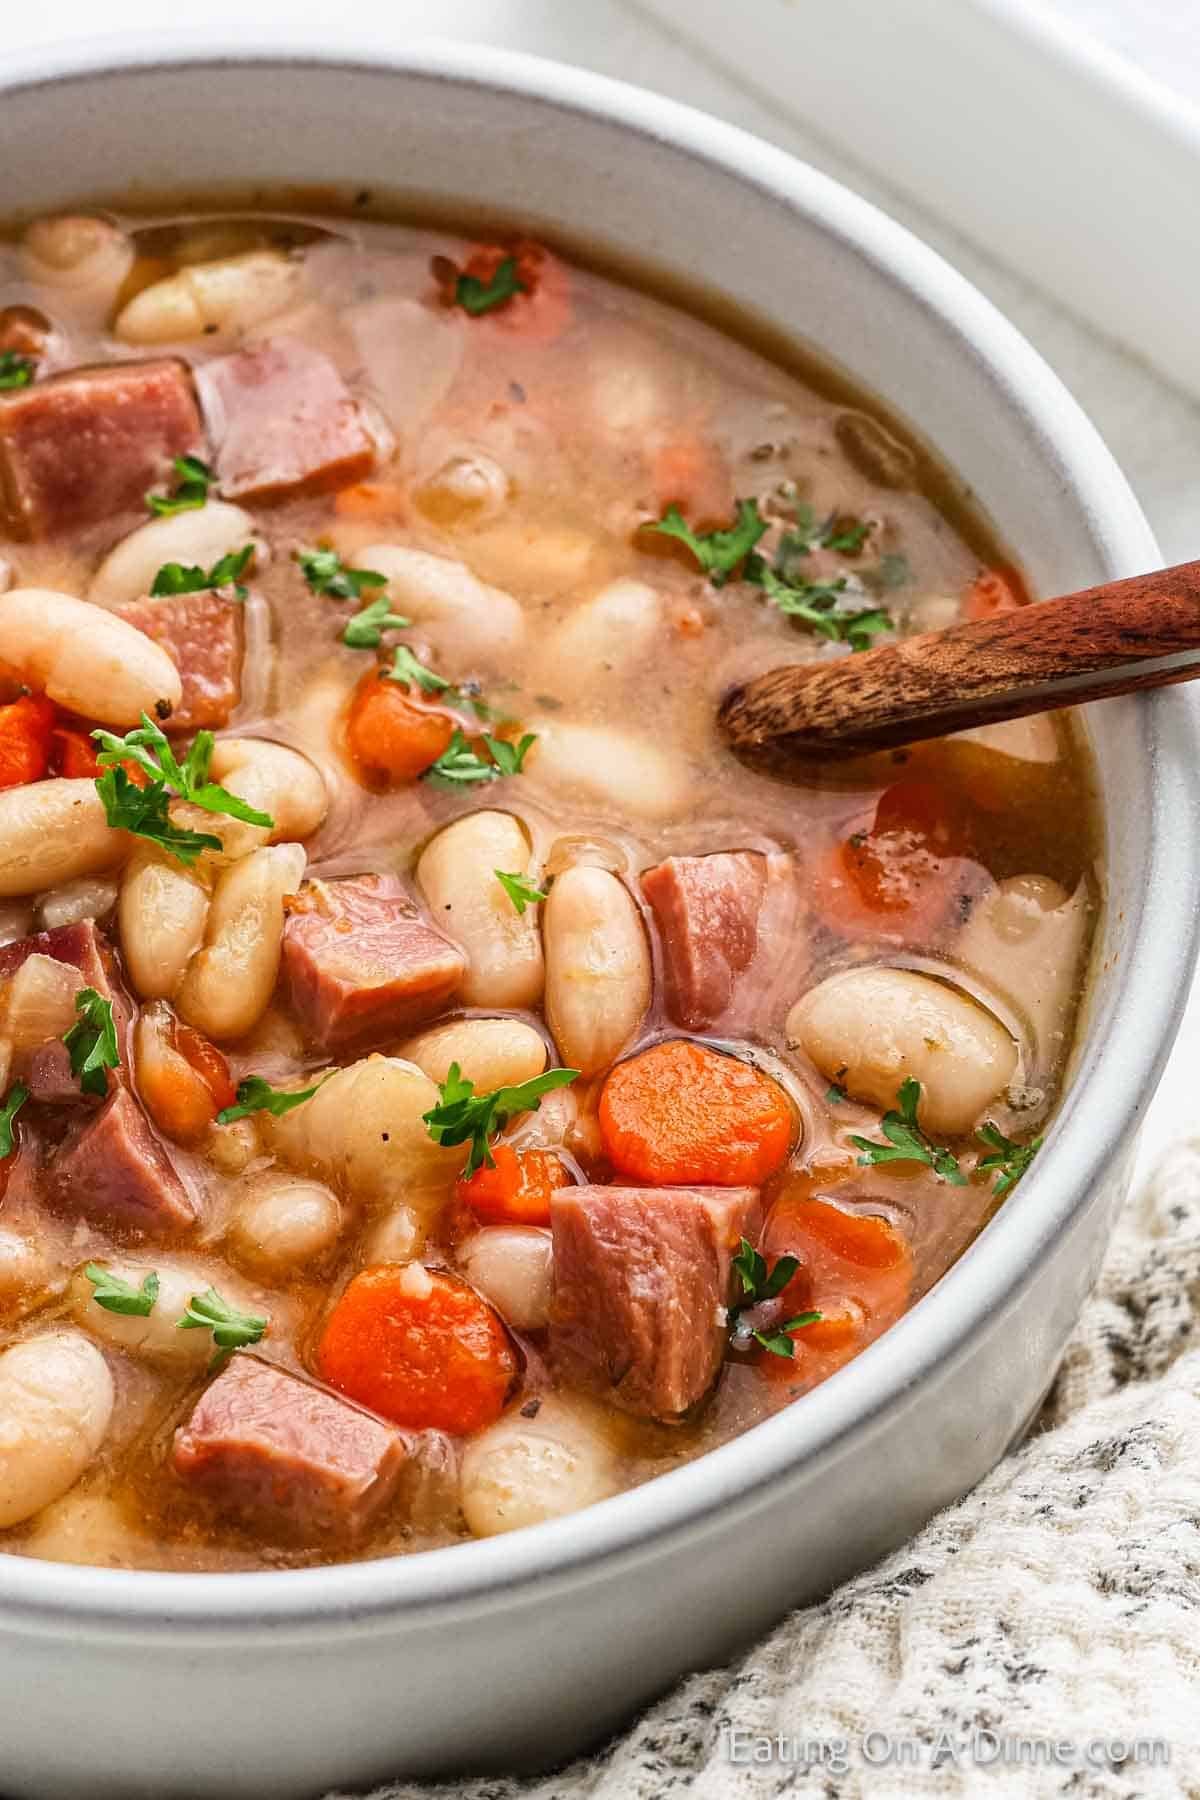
[84, 447]
[112, 1170]
[46, 1069]
[283, 1453]
[283, 422]
[202, 634]
[642, 1281]
[715, 915]
[360, 961]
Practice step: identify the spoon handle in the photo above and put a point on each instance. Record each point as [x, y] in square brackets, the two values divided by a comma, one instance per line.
[1113, 639]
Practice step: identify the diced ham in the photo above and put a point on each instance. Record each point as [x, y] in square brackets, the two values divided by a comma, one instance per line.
[112, 1170]
[283, 421]
[202, 634]
[86, 445]
[47, 1073]
[283, 1453]
[641, 1284]
[713, 915]
[359, 960]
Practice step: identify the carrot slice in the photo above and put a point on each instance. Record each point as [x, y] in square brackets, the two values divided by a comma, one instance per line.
[26, 730]
[994, 592]
[207, 1062]
[690, 474]
[542, 312]
[392, 735]
[855, 1270]
[517, 1191]
[896, 879]
[75, 755]
[420, 1348]
[681, 1112]
[183, 1080]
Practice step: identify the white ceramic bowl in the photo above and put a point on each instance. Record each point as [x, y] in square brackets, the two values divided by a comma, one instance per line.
[522, 1649]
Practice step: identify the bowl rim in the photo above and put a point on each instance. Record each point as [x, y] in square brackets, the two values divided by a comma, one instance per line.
[1089, 1130]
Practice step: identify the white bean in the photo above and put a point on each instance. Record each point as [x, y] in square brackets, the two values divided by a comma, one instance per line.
[283, 1223]
[155, 1335]
[56, 1401]
[202, 536]
[871, 1029]
[604, 769]
[276, 780]
[601, 641]
[1025, 939]
[513, 1267]
[85, 1527]
[85, 259]
[457, 875]
[161, 912]
[466, 621]
[597, 967]
[522, 1471]
[52, 832]
[231, 294]
[228, 984]
[91, 897]
[173, 1093]
[492, 1053]
[363, 1131]
[26, 1273]
[88, 660]
[397, 1236]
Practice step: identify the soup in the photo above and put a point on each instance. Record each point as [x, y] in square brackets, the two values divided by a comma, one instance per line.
[442, 1085]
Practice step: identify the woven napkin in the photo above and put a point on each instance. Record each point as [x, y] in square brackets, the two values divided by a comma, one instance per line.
[1040, 1638]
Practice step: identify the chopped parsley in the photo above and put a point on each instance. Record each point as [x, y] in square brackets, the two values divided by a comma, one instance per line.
[757, 1283]
[461, 765]
[717, 552]
[844, 535]
[16, 371]
[232, 1330]
[326, 573]
[463, 1116]
[835, 1095]
[907, 1140]
[820, 606]
[522, 893]
[365, 630]
[143, 810]
[92, 1042]
[190, 578]
[256, 1095]
[194, 480]
[778, 1341]
[118, 1296]
[14, 1100]
[476, 296]
[412, 673]
[1010, 1160]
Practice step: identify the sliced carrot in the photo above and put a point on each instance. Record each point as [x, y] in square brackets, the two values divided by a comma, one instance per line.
[390, 734]
[994, 592]
[26, 728]
[681, 1112]
[517, 1191]
[420, 1348]
[75, 754]
[855, 1269]
[183, 1080]
[896, 878]
[690, 474]
[542, 312]
[207, 1062]
[372, 500]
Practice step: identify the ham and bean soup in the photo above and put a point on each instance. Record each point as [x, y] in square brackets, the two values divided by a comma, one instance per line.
[441, 1086]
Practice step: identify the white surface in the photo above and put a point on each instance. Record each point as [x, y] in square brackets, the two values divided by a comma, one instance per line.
[1152, 427]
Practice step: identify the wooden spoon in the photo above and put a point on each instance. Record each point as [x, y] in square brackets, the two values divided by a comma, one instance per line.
[1114, 639]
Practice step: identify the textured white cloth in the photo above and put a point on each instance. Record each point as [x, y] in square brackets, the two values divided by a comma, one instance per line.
[1058, 1603]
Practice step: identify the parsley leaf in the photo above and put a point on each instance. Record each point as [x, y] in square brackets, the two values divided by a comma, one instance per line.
[778, 1342]
[116, 1295]
[476, 296]
[717, 552]
[817, 605]
[92, 1041]
[846, 536]
[326, 573]
[195, 479]
[406, 669]
[459, 763]
[757, 1284]
[1010, 1160]
[463, 1116]
[144, 811]
[907, 1141]
[14, 1100]
[231, 1330]
[365, 630]
[835, 1095]
[180, 578]
[16, 371]
[522, 893]
[256, 1095]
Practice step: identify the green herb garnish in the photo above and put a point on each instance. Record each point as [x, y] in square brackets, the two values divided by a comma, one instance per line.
[143, 811]
[232, 1330]
[256, 1095]
[1010, 1160]
[326, 573]
[92, 1041]
[190, 578]
[14, 1100]
[717, 552]
[757, 1283]
[16, 371]
[365, 630]
[818, 604]
[195, 479]
[777, 1341]
[407, 670]
[118, 1296]
[476, 296]
[835, 1095]
[463, 1116]
[522, 893]
[459, 764]
[907, 1141]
